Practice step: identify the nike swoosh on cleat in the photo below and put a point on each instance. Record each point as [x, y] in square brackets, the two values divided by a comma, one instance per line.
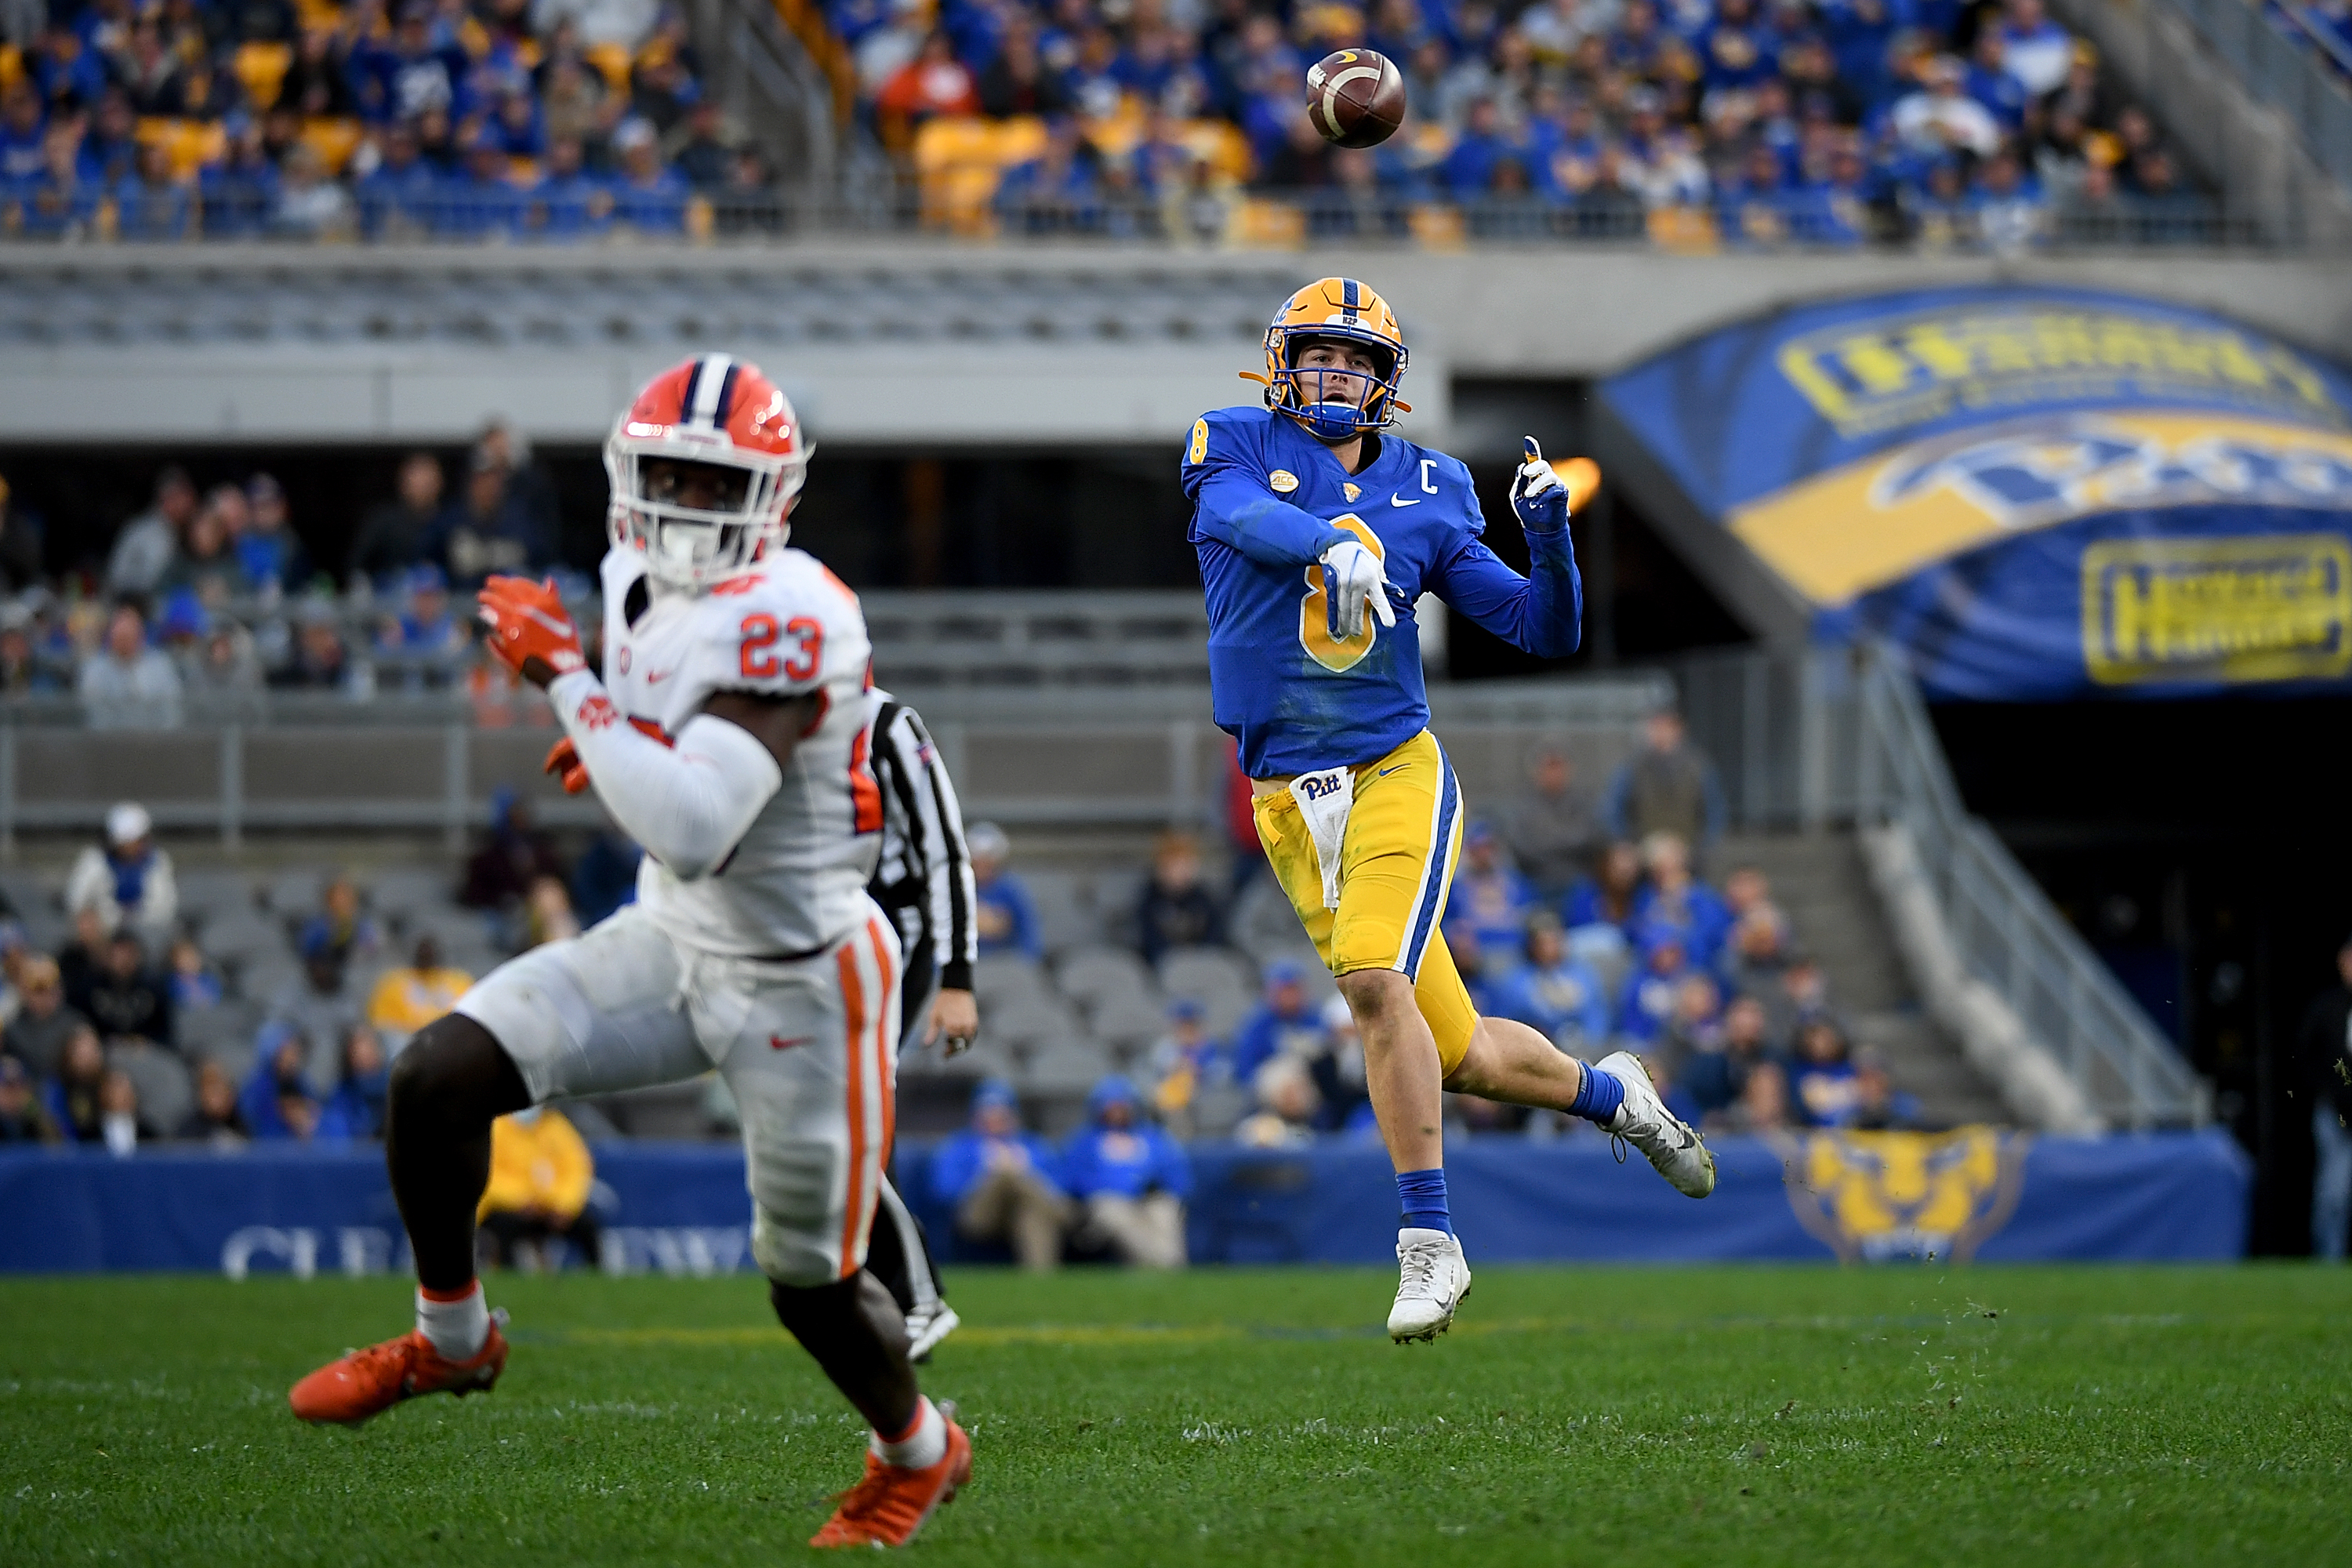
[1399, 500]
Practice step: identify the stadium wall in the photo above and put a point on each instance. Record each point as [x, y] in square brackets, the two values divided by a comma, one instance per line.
[1062, 354]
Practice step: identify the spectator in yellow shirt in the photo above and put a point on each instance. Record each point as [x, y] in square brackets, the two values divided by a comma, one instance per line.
[540, 1175]
[407, 999]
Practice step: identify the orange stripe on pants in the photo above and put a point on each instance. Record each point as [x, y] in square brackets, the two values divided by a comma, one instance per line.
[853, 994]
[883, 1075]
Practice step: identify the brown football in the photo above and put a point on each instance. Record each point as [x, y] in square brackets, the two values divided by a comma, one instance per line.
[1355, 98]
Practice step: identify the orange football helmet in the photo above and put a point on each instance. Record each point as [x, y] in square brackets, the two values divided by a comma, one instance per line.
[704, 467]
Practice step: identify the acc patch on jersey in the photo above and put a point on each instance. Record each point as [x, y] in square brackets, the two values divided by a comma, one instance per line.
[1283, 481]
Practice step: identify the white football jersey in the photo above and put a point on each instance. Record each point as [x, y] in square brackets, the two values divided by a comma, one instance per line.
[786, 627]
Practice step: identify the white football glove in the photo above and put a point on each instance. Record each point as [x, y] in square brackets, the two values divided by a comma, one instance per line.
[1538, 496]
[1353, 576]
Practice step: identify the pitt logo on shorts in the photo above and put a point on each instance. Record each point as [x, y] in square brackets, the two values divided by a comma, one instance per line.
[1396, 865]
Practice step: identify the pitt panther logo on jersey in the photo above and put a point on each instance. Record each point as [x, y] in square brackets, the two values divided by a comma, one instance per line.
[1883, 1196]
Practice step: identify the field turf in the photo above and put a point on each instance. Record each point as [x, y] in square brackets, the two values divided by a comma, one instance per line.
[1897, 1415]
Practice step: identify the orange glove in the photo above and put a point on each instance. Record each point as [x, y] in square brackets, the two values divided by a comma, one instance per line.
[529, 630]
[564, 761]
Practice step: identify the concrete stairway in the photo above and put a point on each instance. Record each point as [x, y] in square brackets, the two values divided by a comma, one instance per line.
[1820, 880]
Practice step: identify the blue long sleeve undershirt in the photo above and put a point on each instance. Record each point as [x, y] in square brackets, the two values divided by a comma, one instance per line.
[1542, 613]
[1237, 509]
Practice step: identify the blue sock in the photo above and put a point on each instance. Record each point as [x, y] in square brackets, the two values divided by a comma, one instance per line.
[1422, 1194]
[1598, 1098]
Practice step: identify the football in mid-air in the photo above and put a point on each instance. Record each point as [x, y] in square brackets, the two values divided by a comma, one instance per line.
[1355, 98]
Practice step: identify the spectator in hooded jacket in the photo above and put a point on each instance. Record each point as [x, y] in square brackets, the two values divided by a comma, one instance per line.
[356, 1108]
[1129, 1178]
[278, 1102]
[128, 684]
[1176, 909]
[128, 1001]
[1001, 913]
[541, 1174]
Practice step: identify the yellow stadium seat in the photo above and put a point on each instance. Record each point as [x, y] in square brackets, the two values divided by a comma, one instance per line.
[1259, 224]
[314, 14]
[522, 173]
[1437, 226]
[188, 144]
[333, 140]
[12, 66]
[1687, 231]
[1223, 145]
[1018, 139]
[948, 141]
[262, 69]
[613, 59]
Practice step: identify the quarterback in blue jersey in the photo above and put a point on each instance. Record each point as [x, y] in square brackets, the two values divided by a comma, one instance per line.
[1318, 533]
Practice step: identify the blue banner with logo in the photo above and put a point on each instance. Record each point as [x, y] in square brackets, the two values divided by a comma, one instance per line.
[682, 1209]
[2037, 492]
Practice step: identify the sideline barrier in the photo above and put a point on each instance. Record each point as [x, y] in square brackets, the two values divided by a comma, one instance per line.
[681, 1208]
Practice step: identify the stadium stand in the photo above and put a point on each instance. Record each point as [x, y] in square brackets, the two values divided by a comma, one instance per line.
[1695, 126]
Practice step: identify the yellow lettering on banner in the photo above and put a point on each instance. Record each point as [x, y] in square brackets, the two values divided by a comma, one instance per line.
[1839, 534]
[1909, 370]
[2269, 607]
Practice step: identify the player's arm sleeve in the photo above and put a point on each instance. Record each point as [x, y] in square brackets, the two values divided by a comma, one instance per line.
[1233, 504]
[689, 804]
[1542, 613]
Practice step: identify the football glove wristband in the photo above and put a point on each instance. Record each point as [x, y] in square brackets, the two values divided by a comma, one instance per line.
[1353, 577]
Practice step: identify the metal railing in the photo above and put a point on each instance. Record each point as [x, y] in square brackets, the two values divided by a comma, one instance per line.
[2290, 73]
[590, 211]
[2009, 935]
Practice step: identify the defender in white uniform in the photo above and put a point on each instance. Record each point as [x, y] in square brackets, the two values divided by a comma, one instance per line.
[731, 737]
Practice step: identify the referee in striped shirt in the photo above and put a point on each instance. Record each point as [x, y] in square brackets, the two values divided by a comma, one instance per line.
[924, 882]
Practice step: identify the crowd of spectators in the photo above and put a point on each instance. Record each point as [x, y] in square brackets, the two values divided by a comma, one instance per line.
[305, 119]
[1829, 122]
[238, 1017]
[1583, 915]
[208, 599]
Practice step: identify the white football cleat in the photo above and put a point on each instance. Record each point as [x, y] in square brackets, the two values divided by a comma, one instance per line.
[925, 1329]
[1665, 1138]
[1432, 1280]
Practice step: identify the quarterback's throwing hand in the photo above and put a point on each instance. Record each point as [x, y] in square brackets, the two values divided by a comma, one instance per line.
[528, 629]
[1353, 578]
[1544, 497]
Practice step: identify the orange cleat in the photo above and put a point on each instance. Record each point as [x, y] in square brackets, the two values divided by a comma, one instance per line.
[371, 1381]
[889, 1505]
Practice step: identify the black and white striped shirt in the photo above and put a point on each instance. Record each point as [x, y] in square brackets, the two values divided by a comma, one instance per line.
[924, 878]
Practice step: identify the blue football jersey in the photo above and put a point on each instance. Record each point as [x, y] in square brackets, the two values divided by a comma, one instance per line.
[1267, 500]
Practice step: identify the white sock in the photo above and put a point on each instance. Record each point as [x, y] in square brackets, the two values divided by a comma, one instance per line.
[457, 1329]
[921, 1448]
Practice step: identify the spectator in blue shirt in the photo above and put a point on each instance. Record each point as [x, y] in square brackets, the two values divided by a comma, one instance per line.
[1284, 1023]
[1822, 1079]
[1673, 898]
[149, 204]
[1130, 1179]
[23, 132]
[1711, 1081]
[1555, 993]
[646, 197]
[1649, 996]
[356, 1108]
[1736, 52]
[278, 1102]
[1056, 193]
[568, 201]
[1001, 914]
[1004, 1185]
[1469, 168]
[1490, 899]
[400, 191]
[1607, 897]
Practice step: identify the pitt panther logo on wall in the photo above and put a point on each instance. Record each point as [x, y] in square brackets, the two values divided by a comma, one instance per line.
[1883, 1196]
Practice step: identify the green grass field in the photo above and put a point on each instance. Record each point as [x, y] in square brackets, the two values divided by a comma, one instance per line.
[1686, 1415]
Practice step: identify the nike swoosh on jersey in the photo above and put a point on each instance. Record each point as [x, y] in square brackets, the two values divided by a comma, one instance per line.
[656, 677]
[1399, 500]
[779, 1043]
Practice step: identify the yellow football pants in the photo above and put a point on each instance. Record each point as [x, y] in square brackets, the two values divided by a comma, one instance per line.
[1396, 863]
